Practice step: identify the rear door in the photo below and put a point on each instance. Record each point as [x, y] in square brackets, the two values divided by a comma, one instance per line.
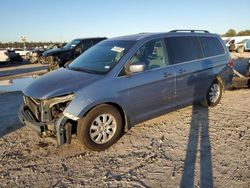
[215, 60]
[186, 55]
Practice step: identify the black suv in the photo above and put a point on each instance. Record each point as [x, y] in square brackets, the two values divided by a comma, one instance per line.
[58, 57]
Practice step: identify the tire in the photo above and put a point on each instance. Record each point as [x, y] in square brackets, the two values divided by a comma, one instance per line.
[241, 49]
[91, 128]
[42, 60]
[211, 98]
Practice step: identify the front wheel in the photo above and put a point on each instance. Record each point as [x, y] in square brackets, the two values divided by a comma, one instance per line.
[213, 95]
[100, 128]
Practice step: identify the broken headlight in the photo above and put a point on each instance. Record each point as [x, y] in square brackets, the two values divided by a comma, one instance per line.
[53, 108]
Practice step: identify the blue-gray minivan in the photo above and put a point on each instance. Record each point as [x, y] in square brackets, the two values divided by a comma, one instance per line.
[126, 80]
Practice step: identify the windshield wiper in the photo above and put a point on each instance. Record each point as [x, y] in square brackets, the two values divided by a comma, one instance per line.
[82, 70]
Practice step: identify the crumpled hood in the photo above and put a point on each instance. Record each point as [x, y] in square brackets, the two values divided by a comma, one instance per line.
[59, 82]
[55, 51]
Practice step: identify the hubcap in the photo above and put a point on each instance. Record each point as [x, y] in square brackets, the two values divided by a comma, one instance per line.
[214, 93]
[102, 128]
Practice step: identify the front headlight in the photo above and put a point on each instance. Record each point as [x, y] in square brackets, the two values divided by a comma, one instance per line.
[57, 100]
[57, 105]
[70, 116]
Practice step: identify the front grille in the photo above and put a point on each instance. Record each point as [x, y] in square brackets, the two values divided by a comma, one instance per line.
[34, 107]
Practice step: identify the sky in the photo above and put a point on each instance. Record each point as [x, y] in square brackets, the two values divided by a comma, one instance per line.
[64, 20]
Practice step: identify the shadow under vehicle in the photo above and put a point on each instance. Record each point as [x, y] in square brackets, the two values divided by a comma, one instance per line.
[58, 57]
[126, 80]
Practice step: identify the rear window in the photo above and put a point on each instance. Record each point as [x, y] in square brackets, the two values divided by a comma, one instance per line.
[182, 49]
[211, 46]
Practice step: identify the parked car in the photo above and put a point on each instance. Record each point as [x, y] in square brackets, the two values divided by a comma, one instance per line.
[241, 77]
[22, 52]
[58, 57]
[4, 57]
[36, 55]
[232, 42]
[243, 45]
[14, 56]
[126, 80]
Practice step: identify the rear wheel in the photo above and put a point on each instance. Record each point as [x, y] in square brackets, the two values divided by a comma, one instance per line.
[100, 128]
[213, 95]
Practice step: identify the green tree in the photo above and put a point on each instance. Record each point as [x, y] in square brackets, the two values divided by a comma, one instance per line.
[230, 33]
[244, 33]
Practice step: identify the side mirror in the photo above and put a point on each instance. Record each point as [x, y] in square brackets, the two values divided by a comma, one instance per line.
[135, 68]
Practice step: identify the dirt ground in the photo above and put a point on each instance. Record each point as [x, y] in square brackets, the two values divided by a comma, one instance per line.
[236, 55]
[191, 147]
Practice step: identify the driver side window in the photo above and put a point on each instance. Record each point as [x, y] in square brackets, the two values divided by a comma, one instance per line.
[152, 54]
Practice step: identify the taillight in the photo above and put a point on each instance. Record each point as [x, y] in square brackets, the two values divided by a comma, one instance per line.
[230, 63]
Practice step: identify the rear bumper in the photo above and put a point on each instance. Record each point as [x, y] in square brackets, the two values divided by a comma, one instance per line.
[27, 120]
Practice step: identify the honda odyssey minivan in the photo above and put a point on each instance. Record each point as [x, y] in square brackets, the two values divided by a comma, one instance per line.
[126, 80]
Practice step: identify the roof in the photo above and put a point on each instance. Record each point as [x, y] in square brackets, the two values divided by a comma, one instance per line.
[140, 36]
[134, 36]
[90, 38]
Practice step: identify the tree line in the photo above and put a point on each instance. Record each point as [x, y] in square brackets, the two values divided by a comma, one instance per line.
[30, 45]
[232, 33]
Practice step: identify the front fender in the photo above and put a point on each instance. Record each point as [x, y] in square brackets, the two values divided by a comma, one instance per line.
[82, 103]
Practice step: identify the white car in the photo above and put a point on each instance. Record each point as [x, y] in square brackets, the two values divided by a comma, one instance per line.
[4, 57]
[234, 40]
[23, 53]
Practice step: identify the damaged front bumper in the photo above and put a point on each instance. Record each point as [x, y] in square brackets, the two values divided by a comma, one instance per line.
[62, 128]
[26, 118]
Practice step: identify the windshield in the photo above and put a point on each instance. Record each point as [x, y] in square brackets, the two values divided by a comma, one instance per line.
[72, 44]
[102, 57]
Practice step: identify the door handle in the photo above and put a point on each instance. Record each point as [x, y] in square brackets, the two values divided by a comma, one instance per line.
[167, 74]
[181, 70]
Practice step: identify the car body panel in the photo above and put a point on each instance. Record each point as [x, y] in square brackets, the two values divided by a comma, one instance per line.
[65, 54]
[55, 51]
[248, 45]
[59, 82]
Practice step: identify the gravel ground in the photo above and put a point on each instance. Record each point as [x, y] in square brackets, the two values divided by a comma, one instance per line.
[191, 147]
[236, 55]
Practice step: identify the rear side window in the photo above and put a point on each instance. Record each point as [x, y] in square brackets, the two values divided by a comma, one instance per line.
[182, 49]
[211, 46]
